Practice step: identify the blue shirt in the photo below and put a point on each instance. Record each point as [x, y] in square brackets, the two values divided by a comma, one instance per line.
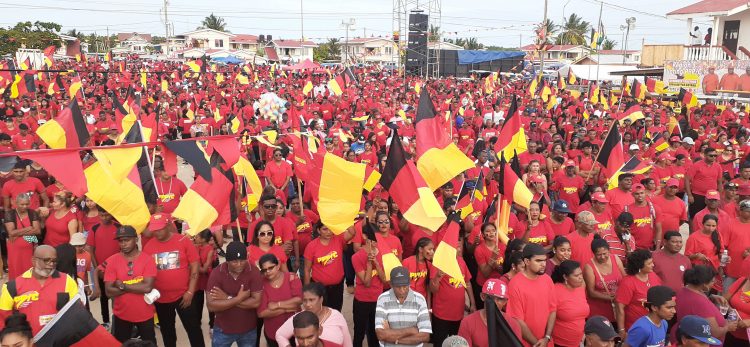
[645, 333]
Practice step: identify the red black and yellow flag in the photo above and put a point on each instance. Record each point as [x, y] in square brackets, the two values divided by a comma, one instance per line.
[633, 113]
[23, 84]
[687, 98]
[512, 138]
[611, 155]
[409, 190]
[205, 201]
[651, 85]
[74, 326]
[446, 253]
[67, 130]
[49, 59]
[438, 159]
[639, 90]
[512, 188]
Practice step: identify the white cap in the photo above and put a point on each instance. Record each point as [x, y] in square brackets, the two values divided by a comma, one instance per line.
[688, 140]
[634, 147]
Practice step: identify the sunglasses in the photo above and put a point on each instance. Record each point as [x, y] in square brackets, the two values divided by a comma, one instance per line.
[264, 234]
[383, 222]
[130, 268]
[48, 261]
[266, 270]
[269, 206]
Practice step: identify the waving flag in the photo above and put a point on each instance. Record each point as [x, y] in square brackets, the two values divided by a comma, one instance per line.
[611, 155]
[512, 138]
[337, 187]
[447, 250]
[67, 130]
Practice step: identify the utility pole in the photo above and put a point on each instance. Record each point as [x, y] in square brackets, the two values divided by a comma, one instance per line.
[347, 26]
[302, 21]
[544, 39]
[166, 29]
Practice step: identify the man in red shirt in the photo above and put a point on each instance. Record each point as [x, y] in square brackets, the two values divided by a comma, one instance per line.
[569, 186]
[738, 244]
[129, 275]
[102, 244]
[283, 228]
[602, 214]
[620, 196]
[669, 263]
[580, 239]
[23, 184]
[474, 326]
[23, 141]
[646, 228]
[171, 189]
[673, 212]
[701, 177]
[176, 279]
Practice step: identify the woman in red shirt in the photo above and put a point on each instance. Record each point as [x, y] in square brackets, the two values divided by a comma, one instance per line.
[281, 298]
[561, 252]
[61, 221]
[23, 227]
[572, 308]
[89, 216]
[278, 172]
[419, 266]
[631, 293]
[489, 256]
[602, 274]
[263, 244]
[324, 263]
[704, 247]
[538, 231]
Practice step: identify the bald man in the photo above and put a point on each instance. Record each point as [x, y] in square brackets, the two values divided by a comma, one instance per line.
[39, 292]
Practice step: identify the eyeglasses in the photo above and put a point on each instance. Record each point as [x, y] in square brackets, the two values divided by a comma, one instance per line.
[266, 270]
[269, 206]
[383, 222]
[264, 234]
[47, 261]
[712, 155]
[130, 268]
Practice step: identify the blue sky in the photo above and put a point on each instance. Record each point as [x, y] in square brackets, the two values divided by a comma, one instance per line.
[498, 22]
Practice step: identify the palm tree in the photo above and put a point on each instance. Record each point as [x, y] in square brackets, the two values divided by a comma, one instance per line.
[550, 27]
[573, 31]
[472, 43]
[334, 48]
[214, 22]
[75, 33]
[434, 34]
[608, 44]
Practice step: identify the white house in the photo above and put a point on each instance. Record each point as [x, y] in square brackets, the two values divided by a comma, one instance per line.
[369, 50]
[207, 39]
[136, 43]
[559, 53]
[244, 42]
[292, 51]
[730, 24]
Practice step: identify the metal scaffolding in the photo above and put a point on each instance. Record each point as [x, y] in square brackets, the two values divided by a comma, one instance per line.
[401, 11]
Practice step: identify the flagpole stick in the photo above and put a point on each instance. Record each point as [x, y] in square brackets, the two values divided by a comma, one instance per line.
[460, 191]
[150, 163]
[299, 196]
[497, 218]
[237, 220]
[81, 90]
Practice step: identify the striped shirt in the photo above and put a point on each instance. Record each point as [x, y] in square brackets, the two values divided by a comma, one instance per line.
[617, 247]
[412, 313]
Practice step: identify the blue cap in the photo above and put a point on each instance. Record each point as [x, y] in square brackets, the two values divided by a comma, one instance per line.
[560, 206]
[698, 328]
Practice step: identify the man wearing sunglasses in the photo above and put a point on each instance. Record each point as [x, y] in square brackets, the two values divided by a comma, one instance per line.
[128, 275]
[702, 176]
[39, 292]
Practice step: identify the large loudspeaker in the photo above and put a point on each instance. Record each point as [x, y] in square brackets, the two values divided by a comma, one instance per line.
[417, 42]
[418, 22]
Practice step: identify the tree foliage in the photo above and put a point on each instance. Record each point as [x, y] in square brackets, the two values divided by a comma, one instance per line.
[214, 22]
[434, 35]
[573, 31]
[608, 44]
[466, 43]
[37, 35]
[328, 51]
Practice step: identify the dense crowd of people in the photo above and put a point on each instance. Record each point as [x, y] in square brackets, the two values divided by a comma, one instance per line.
[583, 264]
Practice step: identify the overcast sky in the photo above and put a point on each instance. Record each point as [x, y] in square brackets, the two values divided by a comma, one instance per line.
[492, 22]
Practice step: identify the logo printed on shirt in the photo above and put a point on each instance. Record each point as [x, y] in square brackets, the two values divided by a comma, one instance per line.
[605, 226]
[25, 299]
[328, 258]
[570, 190]
[135, 280]
[540, 240]
[642, 221]
[167, 260]
[302, 227]
[455, 283]
[166, 197]
[417, 275]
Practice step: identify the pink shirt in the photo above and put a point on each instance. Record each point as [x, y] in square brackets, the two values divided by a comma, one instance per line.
[334, 330]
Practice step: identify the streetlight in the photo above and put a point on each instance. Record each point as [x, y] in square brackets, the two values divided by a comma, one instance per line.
[348, 26]
[630, 26]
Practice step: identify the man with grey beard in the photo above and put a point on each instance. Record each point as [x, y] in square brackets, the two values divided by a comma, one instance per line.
[38, 293]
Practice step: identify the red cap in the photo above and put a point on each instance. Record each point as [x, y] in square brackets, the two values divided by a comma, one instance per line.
[570, 163]
[638, 188]
[159, 221]
[674, 139]
[496, 288]
[713, 195]
[666, 156]
[599, 197]
[672, 182]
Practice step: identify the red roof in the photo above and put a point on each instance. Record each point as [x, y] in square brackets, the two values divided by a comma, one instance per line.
[710, 6]
[126, 36]
[243, 38]
[293, 43]
[551, 48]
[271, 54]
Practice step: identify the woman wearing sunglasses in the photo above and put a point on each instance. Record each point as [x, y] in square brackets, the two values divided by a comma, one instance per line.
[263, 243]
[281, 298]
[332, 321]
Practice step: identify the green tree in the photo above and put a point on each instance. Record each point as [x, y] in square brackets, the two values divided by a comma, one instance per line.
[573, 31]
[75, 33]
[334, 49]
[214, 22]
[434, 35]
[608, 44]
[37, 35]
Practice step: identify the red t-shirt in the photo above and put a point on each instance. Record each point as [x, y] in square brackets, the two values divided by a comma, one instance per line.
[606, 222]
[290, 287]
[23, 142]
[566, 227]
[737, 241]
[172, 258]
[13, 188]
[362, 293]
[671, 212]
[632, 294]
[103, 241]
[644, 224]
[278, 173]
[541, 234]
[131, 306]
[568, 189]
[483, 254]
[417, 275]
[580, 247]
[304, 230]
[740, 301]
[448, 301]
[327, 260]
[618, 199]
[283, 230]
[170, 193]
[57, 229]
[474, 329]
[532, 301]
[572, 310]
[254, 253]
[704, 177]
[670, 268]
[698, 242]
[83, 264]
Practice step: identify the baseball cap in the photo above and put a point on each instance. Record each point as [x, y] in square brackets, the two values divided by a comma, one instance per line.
[666, 156]
[561, 206]
[496, 288]
[697, 328]
[713, 195]
[125, 231]
[399, 277]
[674, 139]
[731, 185]
[570, 163]
[688, 140]
[673, 182]
[599, 197]
[159, 221]
[638, 188]
[633, 147]
[659, 295]
[586, 217]
[236, 251]
[601, 327]
[625, 218]
[77, 239]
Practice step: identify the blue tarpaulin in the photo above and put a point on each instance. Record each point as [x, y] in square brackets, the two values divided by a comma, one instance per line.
[476, 57]
[228, 60]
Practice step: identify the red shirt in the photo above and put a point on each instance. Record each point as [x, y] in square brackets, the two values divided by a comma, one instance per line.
[283, 230]
[362, 293]
[327, 260]
[698, 242]
[741, 302]
[572, 310]
[723, 224]
[278, 173]
[417, 275]
[566, 227]
[606, 222]
[13, 188]
[448, 301]
[618, 199]
[670, 268]
[580, 247]
[290, 287]
[57, 229]
[23, 142]
[672, 212]
[37, 301]
[254, 253]
[173, 258]
[532, 301]
[632, 294]
[704, 177]
[568, 189]
[236, 320]
[130, 306]
[103, 241]
[170, 193]
[737, 241]
[540, 234]
[304, 229]
[644, 222]
[474, 329]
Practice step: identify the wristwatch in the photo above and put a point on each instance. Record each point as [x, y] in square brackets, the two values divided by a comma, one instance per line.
[121, 286]
[229, 297]
[549, 338]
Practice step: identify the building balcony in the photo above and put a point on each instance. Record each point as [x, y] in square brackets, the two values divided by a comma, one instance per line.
[656, 55]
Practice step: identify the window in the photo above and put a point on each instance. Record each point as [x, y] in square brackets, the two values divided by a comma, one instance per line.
[218, 43]
[388, 50]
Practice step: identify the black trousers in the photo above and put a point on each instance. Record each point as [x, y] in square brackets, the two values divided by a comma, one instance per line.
[441, 329]
[364, 323]
[103, 300]
[190, 321]
[122, 330]
[699, 203]
[348, 267]
[198, 302]
[334, 296]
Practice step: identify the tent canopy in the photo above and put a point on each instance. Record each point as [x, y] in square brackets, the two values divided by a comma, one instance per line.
[228, 60]
[476, 57]
[305, 65]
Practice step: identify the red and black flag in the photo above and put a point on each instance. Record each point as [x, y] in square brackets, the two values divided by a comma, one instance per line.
[639, 90]
[659, 142]
[687, 98]
[23, 84]
[651, 85]
[135, 135]
[193, 155]
[611, 155]
[512, 138]
[74, 326]
[49, 59]
[57, 86]
[67, 130]
[499, 331]
[409, 190]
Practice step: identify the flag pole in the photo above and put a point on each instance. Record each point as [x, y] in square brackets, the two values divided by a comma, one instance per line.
[598, 51]
[463, 183]
[150, 163]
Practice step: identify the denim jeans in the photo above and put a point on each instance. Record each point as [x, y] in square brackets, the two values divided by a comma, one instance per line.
[220, 339]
